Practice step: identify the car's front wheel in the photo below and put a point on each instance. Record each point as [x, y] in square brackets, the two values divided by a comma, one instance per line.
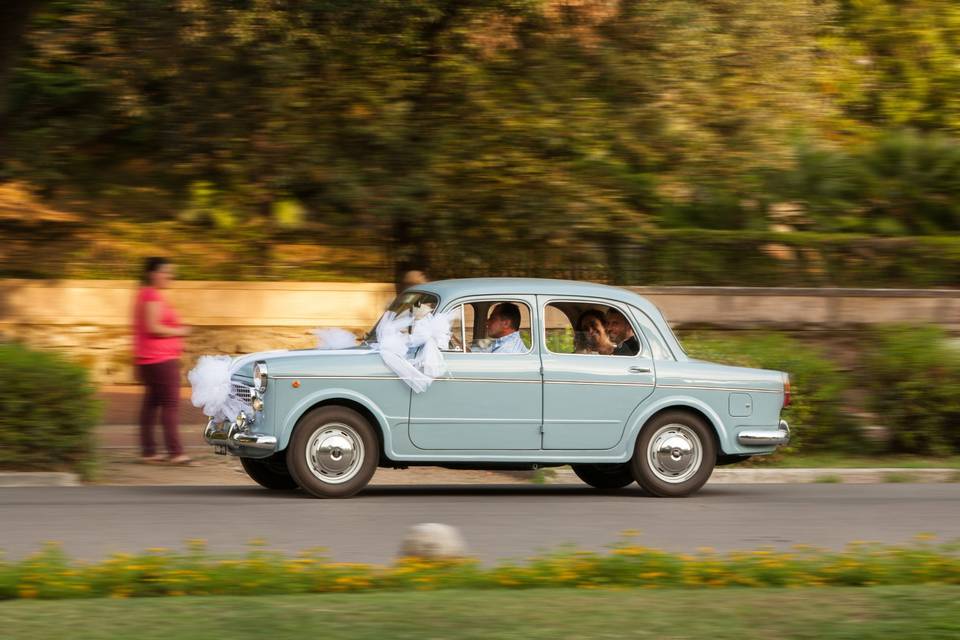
[604, 476]
[271, 473]
[333, 452]
[675, 454]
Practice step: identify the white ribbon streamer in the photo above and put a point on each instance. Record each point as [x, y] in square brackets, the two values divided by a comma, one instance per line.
[393, 343]
[432, 334]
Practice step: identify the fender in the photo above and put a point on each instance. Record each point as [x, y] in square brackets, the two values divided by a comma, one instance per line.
[646, 411]
[290, 420]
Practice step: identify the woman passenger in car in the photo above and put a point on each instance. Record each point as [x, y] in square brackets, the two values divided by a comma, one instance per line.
[591, 335]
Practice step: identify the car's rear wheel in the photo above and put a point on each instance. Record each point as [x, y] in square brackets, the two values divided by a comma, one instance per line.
[604, 476]
[269, 472]
[333, 452]
[675, 454]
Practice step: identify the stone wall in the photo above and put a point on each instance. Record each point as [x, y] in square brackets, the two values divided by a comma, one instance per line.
[89, 320]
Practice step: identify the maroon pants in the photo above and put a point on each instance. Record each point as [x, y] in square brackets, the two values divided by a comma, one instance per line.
[162, 382]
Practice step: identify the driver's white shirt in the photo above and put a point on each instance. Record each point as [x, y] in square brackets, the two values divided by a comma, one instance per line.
[510, 343]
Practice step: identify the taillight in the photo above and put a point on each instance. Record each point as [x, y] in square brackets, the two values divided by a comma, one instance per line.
[786, 390]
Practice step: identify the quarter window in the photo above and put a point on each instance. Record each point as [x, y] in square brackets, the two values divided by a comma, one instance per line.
[657, 344]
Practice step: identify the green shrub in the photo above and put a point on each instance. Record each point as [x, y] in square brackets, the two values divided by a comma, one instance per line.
[815, 416]
[913, 375]
[47, 412]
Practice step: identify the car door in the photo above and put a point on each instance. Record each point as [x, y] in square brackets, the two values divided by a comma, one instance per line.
[588, 397]
[487, 401]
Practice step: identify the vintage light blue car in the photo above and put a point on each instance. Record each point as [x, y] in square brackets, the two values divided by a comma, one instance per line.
[539, 373]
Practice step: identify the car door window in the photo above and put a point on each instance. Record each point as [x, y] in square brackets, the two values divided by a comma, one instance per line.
[485, 326]
[590, 329]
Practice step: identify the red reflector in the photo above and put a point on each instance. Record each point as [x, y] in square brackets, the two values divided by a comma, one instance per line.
[786, 391]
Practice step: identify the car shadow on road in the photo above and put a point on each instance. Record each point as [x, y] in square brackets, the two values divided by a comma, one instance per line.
[435, 490]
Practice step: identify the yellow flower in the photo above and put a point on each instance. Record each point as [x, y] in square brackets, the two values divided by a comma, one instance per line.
[27, 592]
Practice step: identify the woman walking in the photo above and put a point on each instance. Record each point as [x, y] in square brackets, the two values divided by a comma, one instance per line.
[158, 344]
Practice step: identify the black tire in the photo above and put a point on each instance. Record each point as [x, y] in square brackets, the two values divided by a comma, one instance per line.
[604, 476]
[344, 455]
[270, 473]
[688, 453]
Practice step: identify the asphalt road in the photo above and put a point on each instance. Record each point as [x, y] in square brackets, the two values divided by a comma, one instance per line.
[497, 521]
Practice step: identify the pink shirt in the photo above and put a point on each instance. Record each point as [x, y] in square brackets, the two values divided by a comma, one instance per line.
[147, 347]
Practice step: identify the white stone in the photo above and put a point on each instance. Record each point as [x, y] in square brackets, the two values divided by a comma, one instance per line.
[433, 541]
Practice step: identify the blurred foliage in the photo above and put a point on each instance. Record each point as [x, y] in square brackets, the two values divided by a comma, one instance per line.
[816, 416]
[435, 127]
[316, 251]
[913, 375]
[896, 63]
[48, 411]
[902, 183]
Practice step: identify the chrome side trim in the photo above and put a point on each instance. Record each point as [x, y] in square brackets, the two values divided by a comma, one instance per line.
[417, 420]
[517, 380]
[765, 437]
[602, 383]
[446, 379]
[693, 386]
[336, 377]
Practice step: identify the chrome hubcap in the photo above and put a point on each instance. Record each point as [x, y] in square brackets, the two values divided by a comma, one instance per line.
[674, 453]
[335, 453]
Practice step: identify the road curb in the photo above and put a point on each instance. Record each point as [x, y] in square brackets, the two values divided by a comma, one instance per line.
[565, 475]
[827, 475]
[39, 479]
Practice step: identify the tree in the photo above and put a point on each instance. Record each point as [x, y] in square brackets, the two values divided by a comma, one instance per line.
[14, 19]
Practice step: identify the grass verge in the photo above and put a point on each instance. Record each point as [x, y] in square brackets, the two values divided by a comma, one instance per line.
[875, 612]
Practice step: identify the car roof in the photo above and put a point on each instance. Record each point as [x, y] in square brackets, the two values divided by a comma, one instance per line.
[449, 289]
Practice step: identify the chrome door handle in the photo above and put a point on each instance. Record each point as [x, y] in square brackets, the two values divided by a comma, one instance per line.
[639, 369]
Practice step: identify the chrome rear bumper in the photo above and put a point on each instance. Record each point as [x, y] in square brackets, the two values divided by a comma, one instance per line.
[237, 439]
[765, 437]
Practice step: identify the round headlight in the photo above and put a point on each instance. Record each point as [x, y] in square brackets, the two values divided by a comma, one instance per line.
[260, 376]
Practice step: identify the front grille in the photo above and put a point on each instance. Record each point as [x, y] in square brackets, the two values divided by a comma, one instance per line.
[241, 392]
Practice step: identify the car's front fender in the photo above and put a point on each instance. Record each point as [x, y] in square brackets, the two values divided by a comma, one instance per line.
[297, 411]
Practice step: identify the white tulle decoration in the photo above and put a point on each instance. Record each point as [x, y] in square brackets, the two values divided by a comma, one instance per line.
[393, 342]
[210, 380]
[397, 338]
[433, 333]
[335, 339]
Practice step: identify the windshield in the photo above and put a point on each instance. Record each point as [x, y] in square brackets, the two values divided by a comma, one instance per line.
[417, 302]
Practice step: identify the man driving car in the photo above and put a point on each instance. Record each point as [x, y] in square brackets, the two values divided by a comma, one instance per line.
[503, 326]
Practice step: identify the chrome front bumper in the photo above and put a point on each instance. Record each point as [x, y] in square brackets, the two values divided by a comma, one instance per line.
[765, 437]
[231, 437]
